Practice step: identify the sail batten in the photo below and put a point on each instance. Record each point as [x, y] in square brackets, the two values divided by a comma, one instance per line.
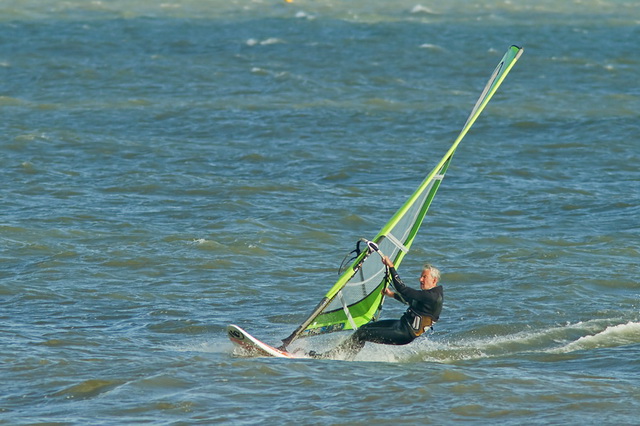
[356, 298]
[397, 242]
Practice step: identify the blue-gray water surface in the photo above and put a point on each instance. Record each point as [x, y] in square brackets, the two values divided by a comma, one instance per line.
[168, 168]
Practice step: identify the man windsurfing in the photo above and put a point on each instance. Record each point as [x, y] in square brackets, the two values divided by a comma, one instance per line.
[424, 309]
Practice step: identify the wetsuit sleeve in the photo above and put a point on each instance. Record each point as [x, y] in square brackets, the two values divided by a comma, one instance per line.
[406, 293]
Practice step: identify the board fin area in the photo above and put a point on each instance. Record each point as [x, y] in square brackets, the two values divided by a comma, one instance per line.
[249, 346]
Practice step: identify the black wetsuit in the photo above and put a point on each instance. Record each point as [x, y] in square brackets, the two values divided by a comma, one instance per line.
[424, 309]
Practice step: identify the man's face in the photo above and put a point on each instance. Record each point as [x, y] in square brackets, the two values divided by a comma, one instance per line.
[426, 280]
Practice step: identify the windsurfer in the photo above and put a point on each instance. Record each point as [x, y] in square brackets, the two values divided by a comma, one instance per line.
[424, 309]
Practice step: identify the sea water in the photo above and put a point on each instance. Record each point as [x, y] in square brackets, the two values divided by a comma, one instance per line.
[168, 168]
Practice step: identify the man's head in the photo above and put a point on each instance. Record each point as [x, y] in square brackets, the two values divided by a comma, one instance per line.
[430, 277]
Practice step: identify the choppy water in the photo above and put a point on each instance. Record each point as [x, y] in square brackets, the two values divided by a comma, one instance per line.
[169, 168]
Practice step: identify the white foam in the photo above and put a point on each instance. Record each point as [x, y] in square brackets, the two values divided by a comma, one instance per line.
[527, 341]
[431, 46]
[612, 336]
[422, 9]
[204, 346]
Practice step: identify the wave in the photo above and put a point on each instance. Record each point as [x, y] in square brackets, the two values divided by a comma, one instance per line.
[581, 336]
[612, 336]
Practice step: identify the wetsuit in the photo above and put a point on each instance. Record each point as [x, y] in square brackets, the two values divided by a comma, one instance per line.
[424, 309]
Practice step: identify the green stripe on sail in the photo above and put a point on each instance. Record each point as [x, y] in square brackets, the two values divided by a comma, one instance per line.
[358, 289]
[337, 320]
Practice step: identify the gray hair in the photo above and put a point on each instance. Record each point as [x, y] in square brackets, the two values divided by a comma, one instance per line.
[435, 272]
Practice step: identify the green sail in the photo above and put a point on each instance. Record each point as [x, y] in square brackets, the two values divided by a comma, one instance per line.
[356, 299]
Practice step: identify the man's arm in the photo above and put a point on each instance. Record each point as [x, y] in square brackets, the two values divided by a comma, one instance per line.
[397, 282]
[389, 264]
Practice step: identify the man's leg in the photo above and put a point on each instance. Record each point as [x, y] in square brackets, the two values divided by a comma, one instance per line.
[388, 332]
